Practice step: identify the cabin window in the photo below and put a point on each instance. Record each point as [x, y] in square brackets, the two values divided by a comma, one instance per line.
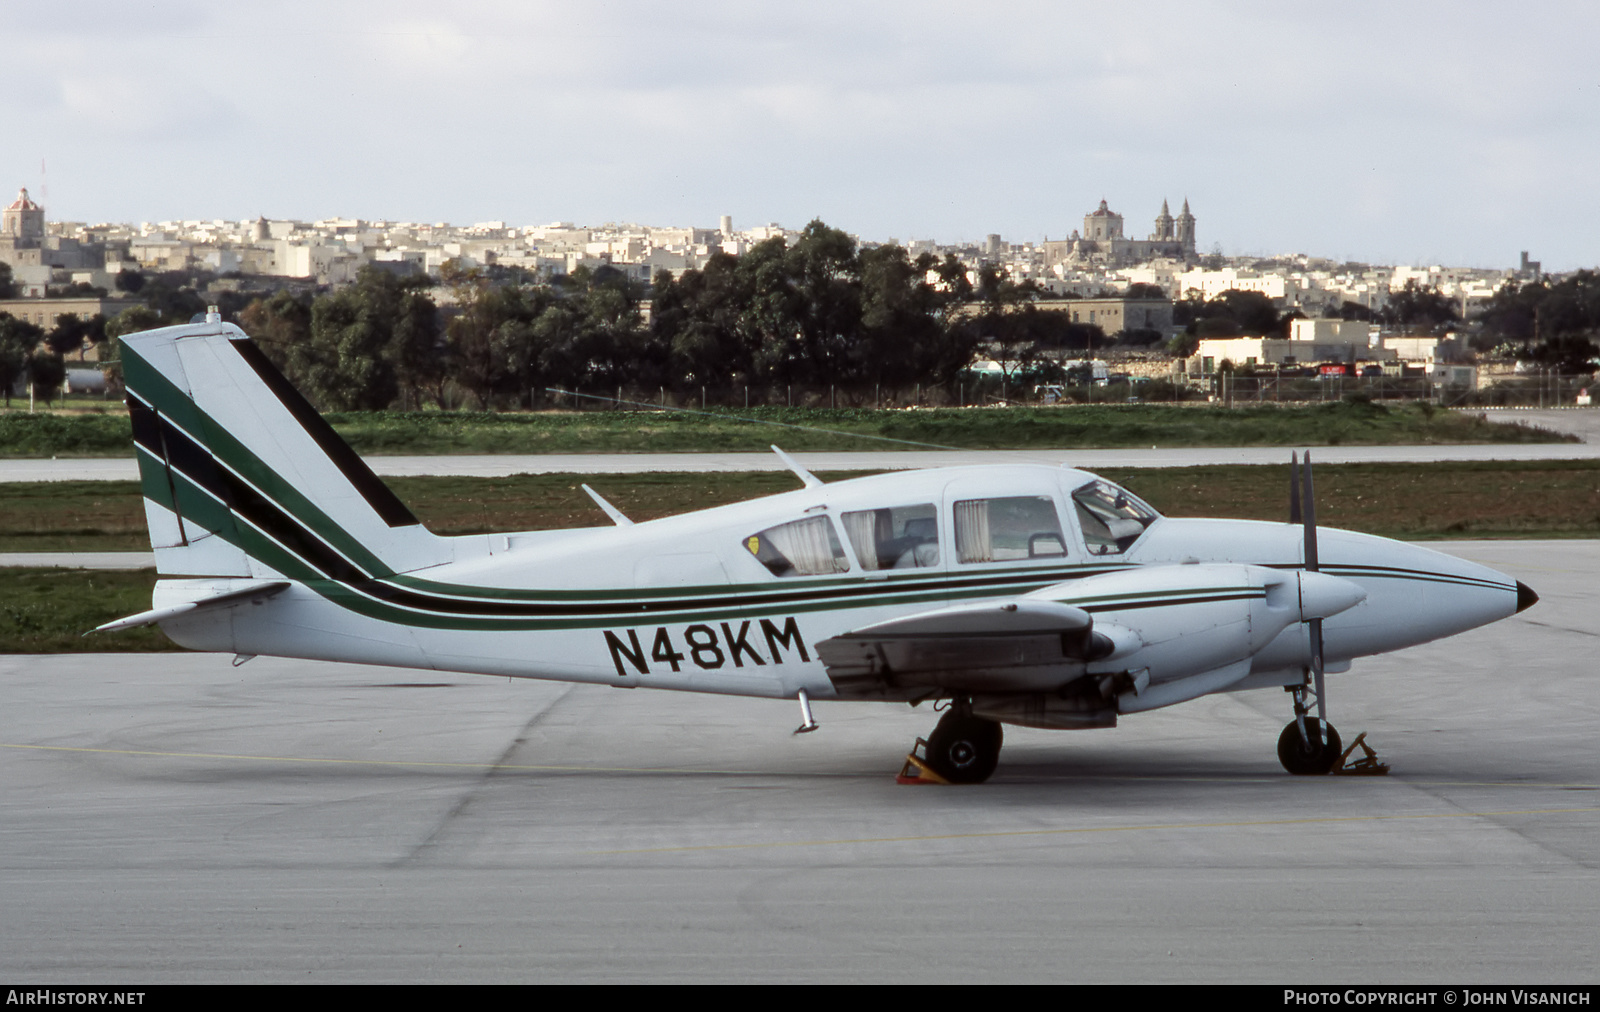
[1008, 530]
[1111, 517]
[806, 547]
[902, 537]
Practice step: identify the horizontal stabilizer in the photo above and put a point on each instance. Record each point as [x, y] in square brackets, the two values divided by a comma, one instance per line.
[255, 591]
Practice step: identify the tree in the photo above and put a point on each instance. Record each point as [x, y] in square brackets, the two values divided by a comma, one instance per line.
[769, 319]
[18, 338]
[1137, 337]
[7, 289]
[596, 338]
[1416, 307]
[72, 334]
[698, 319]
[904, 318]
[278, 324]
[470, 330]
[46, 371]
[1567, 353]
[824, 277]
[416, 344]
[492, 339]
[77, 289]
[1231, 314]
[1009, 323]
[172, 295]
[129, 321]
[351, 361]
[1252, 311]
[1549, 322]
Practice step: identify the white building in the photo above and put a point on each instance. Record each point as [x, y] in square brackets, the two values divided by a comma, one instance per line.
[1330, 332]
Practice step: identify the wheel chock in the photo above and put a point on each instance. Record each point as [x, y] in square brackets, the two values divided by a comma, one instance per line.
[916, 769]
[1367, 765]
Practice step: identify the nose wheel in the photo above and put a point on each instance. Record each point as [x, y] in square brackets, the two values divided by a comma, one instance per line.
[1313, 752]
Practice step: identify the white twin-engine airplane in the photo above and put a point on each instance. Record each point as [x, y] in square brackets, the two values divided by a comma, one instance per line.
[1031, 595]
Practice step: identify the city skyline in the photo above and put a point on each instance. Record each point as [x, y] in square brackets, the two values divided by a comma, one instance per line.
[1456, 135]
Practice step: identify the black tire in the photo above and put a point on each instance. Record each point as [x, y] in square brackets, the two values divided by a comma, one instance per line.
[1309, 760]
[964, 749]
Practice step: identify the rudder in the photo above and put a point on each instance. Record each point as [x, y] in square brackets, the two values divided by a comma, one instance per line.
[243, 478]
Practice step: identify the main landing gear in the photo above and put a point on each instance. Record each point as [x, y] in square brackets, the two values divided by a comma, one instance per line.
[963, 749]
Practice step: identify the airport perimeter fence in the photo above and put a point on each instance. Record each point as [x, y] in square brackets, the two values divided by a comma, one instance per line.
[1534, 390]
[1538, 389]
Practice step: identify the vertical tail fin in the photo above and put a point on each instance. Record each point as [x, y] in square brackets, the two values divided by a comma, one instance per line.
[243, 478]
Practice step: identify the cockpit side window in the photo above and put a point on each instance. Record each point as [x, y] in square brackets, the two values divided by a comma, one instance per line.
[1008, 530]
[1111, 517]
[806, 547]
[901, 537]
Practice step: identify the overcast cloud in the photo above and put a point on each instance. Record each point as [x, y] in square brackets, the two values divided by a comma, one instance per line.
[1399, 132]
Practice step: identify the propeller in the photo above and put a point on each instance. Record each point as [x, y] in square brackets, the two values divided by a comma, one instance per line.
[1303, 510]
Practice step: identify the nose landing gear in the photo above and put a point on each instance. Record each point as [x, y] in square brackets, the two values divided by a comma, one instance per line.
[1310, 746]
[1312, 755]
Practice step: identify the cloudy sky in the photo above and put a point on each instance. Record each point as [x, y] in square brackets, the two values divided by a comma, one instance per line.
[1395, 132]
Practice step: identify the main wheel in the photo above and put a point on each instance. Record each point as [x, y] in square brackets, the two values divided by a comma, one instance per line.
[1309, 759]
[964, 749]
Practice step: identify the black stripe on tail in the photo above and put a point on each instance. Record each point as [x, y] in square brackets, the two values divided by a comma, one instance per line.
[378, 495]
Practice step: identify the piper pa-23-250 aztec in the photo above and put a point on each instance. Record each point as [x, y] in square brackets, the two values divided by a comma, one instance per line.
[1030, 595]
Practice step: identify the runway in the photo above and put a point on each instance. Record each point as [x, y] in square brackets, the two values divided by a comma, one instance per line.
[503, 465]
[174, 818]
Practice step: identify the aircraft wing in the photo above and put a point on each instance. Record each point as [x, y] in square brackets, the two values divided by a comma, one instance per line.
[974, 645]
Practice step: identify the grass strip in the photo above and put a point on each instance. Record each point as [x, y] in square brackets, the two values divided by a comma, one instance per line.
[47, 611]
[1350, 423]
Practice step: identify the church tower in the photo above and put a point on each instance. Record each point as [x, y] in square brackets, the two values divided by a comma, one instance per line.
[23, 222]
[1102, 224]
[1163, 224]
[1186, 228]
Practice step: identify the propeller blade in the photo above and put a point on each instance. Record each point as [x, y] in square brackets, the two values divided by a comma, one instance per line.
[1316, 676]
[1310, 509]
[1294, 488]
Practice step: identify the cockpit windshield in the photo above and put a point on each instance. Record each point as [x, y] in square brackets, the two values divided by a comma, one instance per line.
[1112, 517]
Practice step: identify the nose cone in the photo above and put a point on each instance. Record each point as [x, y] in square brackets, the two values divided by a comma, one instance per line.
[1322, 595]
[1526, 598]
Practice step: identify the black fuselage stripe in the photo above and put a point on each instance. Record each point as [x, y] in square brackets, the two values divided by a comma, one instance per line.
[1167, 601]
